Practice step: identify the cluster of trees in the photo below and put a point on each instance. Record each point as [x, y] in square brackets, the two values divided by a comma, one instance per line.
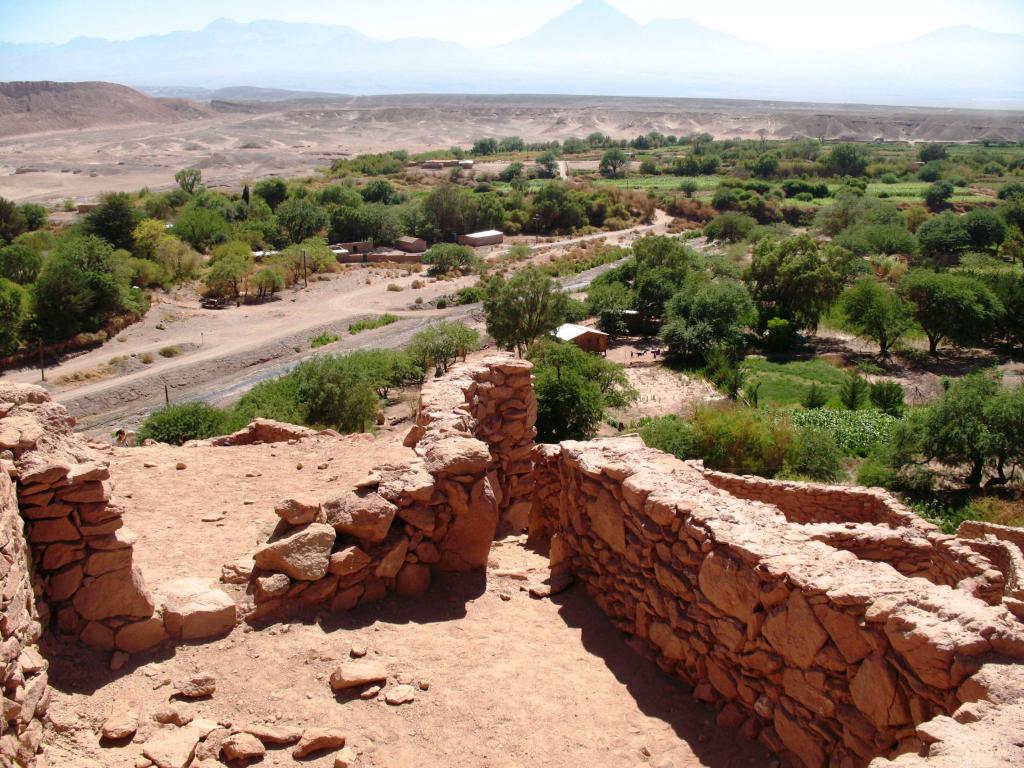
[341, 392]
[54, 287]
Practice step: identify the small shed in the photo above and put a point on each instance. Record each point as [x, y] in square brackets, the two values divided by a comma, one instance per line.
[363, 246]
[477, 239]
[467, 165]
[411, 244]
[587, 339]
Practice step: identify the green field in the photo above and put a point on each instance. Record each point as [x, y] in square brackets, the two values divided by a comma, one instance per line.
[663, 182]
[787, 383]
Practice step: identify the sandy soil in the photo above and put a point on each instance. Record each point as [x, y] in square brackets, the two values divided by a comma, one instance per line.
[252, 141]
[513, 682]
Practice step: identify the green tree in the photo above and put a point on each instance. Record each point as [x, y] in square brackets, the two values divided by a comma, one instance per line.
[80, 287]
[201, 228]
[853, 392]
[336, 395]
[887, 396]
[607, 302]
[766, 165]
[574, 388]
[35, 216]
[19, 263]
[520, 310]
[795, 279]
[931, 151]
[847, 160]
[273, 191]
[439, 345]
[1004, 414]
[300, 219]
[267, 281]
[814, 455]
[956, 431]
[707, 316]
[229, 276]
[950, 306]
[815, 397]
[190, 180]
[876, 312]
[937, 196]
[613, 163]
[13, 314]
[548, 164]
[943, 235]
[554, 208]
[379, 191]
[985, 229]
[670, 434]
[385, 369]
[177, 423]
[448, 208]
[729, 227]
[446, 257]
[12, 221]
[114, 219]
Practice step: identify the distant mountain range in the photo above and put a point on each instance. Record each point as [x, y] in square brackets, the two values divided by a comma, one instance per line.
[590, 49]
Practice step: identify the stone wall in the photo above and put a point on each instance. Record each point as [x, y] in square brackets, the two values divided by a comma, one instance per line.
[825, 656]
[22, 669]
[874, 525]
[82, 555]
[473, 441]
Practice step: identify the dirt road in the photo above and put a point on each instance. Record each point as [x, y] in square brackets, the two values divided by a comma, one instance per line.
[216, 356]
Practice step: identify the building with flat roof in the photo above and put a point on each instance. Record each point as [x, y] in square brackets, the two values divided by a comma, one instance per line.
[587, 339]
[411, 244]
[477, 239]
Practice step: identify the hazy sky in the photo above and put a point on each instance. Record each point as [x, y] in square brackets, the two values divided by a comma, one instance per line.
[814, 24]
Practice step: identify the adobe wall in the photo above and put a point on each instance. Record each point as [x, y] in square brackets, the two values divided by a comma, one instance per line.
[473, 439]
[825, 656]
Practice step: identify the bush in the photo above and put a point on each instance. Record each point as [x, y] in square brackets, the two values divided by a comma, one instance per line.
[173, 351]
[322, 340]
[856, 433]
[853, 392]
[369, 325]
[729, 227]
[445, 258]
[887, 396]
[670, 434]
[815, 397]
[742, 440]
[814, 455]
[189, 421]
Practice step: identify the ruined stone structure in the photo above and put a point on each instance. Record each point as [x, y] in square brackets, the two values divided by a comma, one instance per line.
[830, 623]
[474, 440]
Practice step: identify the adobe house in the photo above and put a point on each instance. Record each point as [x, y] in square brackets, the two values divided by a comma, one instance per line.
[411, 244]
[477, 239]
[587, 339]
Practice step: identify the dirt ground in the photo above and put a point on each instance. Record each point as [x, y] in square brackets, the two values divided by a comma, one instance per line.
[513, 682]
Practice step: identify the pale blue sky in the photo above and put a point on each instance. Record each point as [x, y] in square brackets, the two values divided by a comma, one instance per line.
[813, 24]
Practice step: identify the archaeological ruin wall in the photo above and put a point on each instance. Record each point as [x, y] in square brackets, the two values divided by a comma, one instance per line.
[473, 440]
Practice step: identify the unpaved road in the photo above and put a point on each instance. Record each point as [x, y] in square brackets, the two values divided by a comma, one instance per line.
[226, 352]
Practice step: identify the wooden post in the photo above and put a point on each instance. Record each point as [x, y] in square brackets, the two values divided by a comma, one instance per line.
[167, 395]
[305, 282]
[42, 362]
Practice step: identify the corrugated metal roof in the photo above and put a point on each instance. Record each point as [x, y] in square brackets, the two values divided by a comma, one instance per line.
[488, 233]
[570, 331]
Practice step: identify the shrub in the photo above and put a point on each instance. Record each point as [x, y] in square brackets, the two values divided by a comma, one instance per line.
[189, 421]
[670, 434]
[853, 392]
[369, 325]
[729, 227]
[814, 455]
[742, 440]
[172, 351]
[322, 340]
[887, 396]
[815, 397]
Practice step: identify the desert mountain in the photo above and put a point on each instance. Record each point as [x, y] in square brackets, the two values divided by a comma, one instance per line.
[47, 106]
[591, 48]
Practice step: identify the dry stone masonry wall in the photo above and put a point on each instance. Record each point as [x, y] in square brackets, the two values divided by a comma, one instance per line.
[824, 655]
[439, 512]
